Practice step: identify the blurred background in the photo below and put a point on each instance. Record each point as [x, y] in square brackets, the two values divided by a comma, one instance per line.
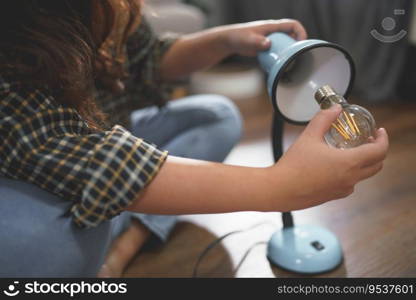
[376, 224]
[384, 70]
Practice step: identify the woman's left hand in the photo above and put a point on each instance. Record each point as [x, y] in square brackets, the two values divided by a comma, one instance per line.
[248, 39]
[204, 49]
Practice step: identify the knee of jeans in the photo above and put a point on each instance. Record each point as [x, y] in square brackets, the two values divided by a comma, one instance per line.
[228, 114]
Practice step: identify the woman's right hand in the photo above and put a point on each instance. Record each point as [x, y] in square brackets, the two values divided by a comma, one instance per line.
[316, 173]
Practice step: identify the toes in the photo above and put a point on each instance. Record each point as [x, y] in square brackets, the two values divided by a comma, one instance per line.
[104, 272]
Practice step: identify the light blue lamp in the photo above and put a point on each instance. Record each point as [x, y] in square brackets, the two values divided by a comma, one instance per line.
[296, 69]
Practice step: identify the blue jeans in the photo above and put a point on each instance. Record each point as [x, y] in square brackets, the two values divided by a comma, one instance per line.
[38, 238]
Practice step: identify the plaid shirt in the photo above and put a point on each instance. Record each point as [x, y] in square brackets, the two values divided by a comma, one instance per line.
[50, 145]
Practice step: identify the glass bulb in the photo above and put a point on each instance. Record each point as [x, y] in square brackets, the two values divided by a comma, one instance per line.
[354, 126]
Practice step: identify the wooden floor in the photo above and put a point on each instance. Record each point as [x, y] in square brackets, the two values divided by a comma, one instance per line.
[376, 225]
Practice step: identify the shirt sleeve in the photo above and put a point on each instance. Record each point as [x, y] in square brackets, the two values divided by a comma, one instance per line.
[145, 51]
[101, 172]
[117, 169]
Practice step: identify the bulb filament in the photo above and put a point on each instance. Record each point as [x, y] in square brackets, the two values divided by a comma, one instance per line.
[348, 129]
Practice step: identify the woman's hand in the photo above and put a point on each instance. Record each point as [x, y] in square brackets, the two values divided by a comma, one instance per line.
[204, 49]
[316, 173]
[309, 173]
[248, 39]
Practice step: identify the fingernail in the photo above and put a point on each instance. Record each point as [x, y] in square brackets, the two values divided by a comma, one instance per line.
[266, 42]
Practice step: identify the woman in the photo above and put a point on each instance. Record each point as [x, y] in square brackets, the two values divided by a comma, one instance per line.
[74, 74]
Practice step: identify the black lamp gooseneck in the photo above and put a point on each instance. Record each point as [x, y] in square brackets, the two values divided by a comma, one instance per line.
[277, 145]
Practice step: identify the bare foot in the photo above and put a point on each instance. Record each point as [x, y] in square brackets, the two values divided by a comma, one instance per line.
[123, 249]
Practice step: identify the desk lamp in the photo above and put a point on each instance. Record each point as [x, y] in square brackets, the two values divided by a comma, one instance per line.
[296, 70]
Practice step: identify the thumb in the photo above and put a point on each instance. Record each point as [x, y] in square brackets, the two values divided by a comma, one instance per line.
[322, 121]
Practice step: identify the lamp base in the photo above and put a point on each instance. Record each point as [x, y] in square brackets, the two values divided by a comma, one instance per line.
[305, 249]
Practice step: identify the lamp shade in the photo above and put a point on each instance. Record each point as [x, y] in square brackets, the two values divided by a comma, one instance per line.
[297, 69]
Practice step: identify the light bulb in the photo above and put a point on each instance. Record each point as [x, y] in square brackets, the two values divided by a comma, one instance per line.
[354, 126]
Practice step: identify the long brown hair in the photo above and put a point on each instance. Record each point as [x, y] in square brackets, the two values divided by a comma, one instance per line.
[68, 46]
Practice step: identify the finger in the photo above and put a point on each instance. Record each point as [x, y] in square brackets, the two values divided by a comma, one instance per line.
[259, 43]
[372, 153]
[322, 121]
[300, 31]
[370, 171]
[287, 26]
